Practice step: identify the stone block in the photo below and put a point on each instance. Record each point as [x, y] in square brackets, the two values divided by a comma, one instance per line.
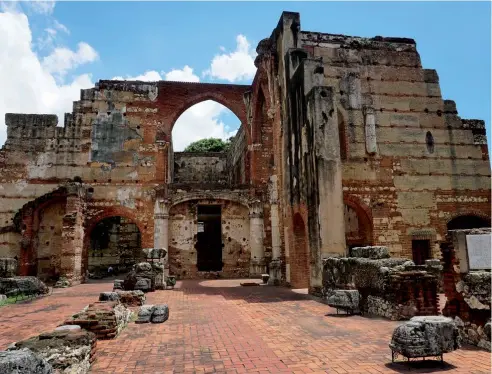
[160, 314]
[143, 284]
[68, 350]
[372, 252]
[118, 284]
[145, 314]
[131, 298]
[23, 361]
[344, 299]
[426, 336]
[22, 285]
[109, 296]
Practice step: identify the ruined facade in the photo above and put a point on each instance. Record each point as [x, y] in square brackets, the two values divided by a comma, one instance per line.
[344, 141]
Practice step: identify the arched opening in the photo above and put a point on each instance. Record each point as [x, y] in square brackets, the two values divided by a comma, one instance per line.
[358, 226]
[114, 242]
[202, 137]
[468, 221]
[299, 261]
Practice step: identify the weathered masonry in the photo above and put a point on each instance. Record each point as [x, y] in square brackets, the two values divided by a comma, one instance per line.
[345, 141]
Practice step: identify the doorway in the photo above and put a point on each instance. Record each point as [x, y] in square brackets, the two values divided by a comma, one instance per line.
[420, 251]
[209, 238]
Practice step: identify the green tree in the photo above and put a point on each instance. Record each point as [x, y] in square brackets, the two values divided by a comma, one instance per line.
[209, 145]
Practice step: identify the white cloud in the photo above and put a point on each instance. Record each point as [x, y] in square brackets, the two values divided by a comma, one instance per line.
[201, 121]
[185, 75]
[28, 86]
[148, 76]
[41, 6]
[235, 66]
[63, 59]
[61, 27]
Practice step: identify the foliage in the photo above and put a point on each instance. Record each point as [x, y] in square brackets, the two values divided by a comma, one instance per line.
[209, 145]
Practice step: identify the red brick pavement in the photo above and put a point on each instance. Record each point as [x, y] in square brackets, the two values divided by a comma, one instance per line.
[218, 327]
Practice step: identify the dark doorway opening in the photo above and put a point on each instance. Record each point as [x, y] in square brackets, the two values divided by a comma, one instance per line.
[209, 238]
[467, 222]
[421, 251]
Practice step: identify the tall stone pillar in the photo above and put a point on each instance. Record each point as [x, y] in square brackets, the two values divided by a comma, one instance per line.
[330, 210]
[73, 236]
[161, 231]
[257, 266]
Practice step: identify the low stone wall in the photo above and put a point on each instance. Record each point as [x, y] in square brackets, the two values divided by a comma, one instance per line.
[67, 350]
[22, 285]
[389, 287]
[104, 318]
[468, 292]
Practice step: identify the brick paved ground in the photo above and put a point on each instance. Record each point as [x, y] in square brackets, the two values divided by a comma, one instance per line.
[215, 326]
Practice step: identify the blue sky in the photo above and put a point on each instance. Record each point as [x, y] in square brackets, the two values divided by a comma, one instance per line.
[129, 39]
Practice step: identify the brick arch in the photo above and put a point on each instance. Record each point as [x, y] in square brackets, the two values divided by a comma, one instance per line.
[469, 213]
[26, 222]
[364, 216]
[176, 97]
[114, 212]
[147, 241]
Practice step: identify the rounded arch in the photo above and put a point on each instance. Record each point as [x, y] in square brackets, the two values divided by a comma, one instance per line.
[261, 107]
[112, 212]
[146, 241]
[363, 233]
[214, 96]
[468, 220]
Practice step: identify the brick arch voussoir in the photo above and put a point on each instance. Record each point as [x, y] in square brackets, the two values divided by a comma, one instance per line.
[114, 212]
[467, 212]
[223, 99]
[364, 212]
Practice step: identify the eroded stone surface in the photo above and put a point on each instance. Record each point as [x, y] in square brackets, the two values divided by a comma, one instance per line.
[426, 336]
[344, 299]
[67, 350]
[105, 318]
[22, 285]
[8, 267]
[160, 314]
[131, 298]
[372, 252]
[109, 296]
[23, 361]
[145, 314]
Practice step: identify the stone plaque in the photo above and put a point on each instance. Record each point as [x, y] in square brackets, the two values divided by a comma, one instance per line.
[201, 227]
[478, 251]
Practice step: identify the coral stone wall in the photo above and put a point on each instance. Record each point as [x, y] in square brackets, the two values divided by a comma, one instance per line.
[235, 234]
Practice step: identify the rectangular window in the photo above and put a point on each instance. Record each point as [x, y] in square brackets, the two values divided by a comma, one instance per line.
[421, 251]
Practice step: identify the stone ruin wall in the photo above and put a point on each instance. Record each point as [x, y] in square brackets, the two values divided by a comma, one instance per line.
[235, 238]
[201, 167]
[407, 162]
[407, 156]
[467, 290]
[396, 153]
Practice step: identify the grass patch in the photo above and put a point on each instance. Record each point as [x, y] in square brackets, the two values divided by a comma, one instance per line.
[13, 299]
